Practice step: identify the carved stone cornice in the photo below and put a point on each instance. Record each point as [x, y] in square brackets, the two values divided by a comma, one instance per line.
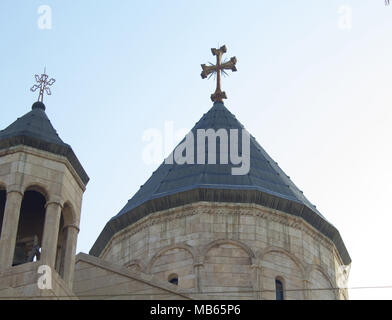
[254, 210]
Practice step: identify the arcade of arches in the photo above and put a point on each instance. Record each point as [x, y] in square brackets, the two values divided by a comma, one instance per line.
[30, 232]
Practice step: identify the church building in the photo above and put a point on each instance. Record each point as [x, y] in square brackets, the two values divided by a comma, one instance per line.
[194, 230]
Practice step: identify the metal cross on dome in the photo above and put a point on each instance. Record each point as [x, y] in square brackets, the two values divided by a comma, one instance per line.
[217, 69]
[43, 85]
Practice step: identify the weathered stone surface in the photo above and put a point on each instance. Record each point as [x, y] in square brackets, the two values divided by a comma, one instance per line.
[99, 279]
[21, 282]
[22, 169]
[217, 250]
[237, 250]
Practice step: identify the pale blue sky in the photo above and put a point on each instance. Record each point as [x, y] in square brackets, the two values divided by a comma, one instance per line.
[315, 96]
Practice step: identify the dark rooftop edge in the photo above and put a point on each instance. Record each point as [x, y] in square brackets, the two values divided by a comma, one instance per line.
[62, 150]
[206, 194]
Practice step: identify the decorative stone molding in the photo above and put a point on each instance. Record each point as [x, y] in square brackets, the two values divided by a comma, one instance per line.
[257, 252]
[254, 210]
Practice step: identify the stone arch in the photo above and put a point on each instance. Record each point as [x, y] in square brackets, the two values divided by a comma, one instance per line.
[227, 270]
[67, 220]
[218, 242]
[38, 187]
[321, 281]
[262, 253]
[68, 213]
[179, 259]
[277, 263]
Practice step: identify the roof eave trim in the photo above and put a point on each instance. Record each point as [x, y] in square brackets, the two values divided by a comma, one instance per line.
[62, 150]
[221, 195]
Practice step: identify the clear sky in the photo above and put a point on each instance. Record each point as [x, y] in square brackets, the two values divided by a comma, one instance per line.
[313, 86]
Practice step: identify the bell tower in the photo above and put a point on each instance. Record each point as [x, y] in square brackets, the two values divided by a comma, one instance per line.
[41, 188]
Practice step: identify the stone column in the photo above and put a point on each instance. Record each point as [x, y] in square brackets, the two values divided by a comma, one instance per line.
[261, 286]
[256, 283]
[69, 256]
[307, 291]
[51, 234]
[10, 228]
[198, 266]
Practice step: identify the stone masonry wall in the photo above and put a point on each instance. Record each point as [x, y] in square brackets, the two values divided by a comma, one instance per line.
[21, 282]
[230, 251]
[22, 167]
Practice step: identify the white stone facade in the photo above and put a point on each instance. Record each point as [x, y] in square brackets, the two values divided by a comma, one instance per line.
[230, 251]
[215, 250]
[25, 169]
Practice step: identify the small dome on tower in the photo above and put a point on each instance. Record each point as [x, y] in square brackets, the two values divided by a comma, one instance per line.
[38, 105]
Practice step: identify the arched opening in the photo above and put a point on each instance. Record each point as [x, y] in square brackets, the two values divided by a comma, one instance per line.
[279, 289]
[30, 228]
[173, 278]
[66, 220]
[61, 248]
[3, 198]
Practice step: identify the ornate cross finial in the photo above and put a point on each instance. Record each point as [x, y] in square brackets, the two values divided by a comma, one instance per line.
[43, 85]
[219, 95]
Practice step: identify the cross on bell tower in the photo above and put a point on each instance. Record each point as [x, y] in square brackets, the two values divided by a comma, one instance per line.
[43, 85]
[217, 69]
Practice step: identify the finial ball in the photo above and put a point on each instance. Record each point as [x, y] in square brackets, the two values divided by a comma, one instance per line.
[38, 105]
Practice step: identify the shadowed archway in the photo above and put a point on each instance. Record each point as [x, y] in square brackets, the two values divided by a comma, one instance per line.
[30, 227]
[67, 219]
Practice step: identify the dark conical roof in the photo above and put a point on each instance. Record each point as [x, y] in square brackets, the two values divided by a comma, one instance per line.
[265, 184]
[34, 129]
[264, 173]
